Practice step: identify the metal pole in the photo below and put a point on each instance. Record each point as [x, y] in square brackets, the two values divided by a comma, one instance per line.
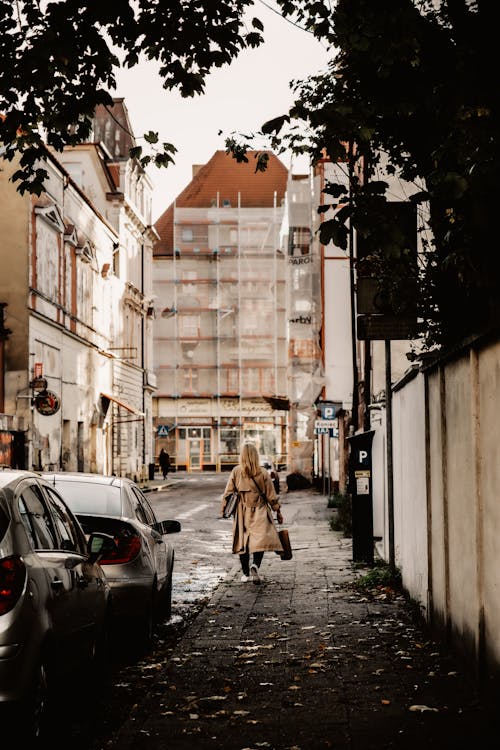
[4, 335]
[390, 482]
[354, 354]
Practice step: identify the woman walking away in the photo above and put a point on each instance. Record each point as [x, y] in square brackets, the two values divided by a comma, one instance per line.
[254, 531]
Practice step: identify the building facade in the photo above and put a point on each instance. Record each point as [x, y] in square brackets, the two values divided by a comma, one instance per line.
[305, 313]
[220, 336]
[126, 203]
[76, 318]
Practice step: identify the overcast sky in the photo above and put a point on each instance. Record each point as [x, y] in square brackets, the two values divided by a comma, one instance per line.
[239, 97]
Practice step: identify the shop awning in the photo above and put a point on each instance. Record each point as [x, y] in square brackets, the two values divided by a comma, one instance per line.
[278, 403]
[121, 404]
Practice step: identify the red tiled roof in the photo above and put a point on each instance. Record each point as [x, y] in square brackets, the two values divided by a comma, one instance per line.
[223, 178]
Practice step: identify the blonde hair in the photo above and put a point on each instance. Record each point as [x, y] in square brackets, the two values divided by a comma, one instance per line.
[249, 460]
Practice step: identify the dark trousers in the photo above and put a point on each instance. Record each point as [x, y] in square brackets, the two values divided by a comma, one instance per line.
[245, 561]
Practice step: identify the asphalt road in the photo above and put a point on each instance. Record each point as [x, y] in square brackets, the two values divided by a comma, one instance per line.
[203, 547]
[90, 715]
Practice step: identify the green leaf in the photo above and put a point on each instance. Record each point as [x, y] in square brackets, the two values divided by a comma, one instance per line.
[261, 162]
[151, 137]
[275, 125]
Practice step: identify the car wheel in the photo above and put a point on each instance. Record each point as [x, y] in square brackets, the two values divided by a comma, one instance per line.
[165, 608]
[34, 710]
[144, 625]
[101, 655]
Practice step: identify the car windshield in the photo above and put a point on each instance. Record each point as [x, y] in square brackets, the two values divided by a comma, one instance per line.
[91, 498]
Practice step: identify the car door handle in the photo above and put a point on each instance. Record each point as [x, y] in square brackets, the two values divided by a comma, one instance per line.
[82, 582]
[57, 584]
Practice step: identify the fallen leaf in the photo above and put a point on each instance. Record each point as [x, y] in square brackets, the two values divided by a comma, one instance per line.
[421, 708]
[385, 702]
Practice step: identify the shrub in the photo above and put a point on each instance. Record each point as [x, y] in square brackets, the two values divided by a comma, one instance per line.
[342, 517]
[380, 578]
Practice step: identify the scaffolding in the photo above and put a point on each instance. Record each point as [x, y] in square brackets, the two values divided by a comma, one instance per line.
[304, 303]
[221, 332]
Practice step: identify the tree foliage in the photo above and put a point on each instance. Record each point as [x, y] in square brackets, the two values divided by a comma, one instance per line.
[59, 61]
[409, 82]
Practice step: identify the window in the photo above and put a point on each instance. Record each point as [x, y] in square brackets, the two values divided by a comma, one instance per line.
[189, 326]
[190, 380]
[70, 539]
[232, 382]
[187, 235]
[251, 380]
[142, 508]
[230, 440]
[36, 519]
[47, 260]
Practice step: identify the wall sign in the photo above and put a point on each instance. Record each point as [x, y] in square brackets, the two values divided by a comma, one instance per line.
[47, 403]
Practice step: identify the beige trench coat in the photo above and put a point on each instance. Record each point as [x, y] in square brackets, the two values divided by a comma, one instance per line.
[253, 525]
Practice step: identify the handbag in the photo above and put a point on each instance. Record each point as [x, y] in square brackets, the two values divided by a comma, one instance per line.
[284, 536]
[286, 552]
[231, 503]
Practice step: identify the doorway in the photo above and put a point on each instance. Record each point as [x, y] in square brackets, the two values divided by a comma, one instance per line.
[195, 446]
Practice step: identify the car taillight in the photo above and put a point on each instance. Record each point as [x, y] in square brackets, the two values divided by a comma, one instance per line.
[127, 548]
[12, 578]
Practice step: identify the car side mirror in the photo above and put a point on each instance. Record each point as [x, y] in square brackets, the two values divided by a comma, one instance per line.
[167, 527]
[100, 544]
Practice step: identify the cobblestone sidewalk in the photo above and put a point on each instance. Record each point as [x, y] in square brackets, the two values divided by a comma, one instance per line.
[306, 661]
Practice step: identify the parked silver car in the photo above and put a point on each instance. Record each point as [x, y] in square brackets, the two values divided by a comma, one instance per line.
[54, 597]
[140, 569]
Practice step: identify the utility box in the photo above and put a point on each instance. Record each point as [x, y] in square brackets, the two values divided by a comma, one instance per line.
[360, 480]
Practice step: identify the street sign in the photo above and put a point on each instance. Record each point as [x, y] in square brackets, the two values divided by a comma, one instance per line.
[162, 430]
[329, 423]
[385, 327]
[332, 431]
[328, 409]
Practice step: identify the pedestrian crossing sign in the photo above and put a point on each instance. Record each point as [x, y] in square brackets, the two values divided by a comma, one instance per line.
[162, 430]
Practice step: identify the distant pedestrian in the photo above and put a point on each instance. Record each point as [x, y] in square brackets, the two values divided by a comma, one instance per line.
[254, 531]
[164, 461]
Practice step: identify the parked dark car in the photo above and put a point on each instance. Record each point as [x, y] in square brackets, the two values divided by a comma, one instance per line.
[140, 569]
[54, 598]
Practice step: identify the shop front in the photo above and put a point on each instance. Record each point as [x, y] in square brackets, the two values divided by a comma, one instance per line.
[211, 439]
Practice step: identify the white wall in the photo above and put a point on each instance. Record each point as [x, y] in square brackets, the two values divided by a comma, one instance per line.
[446, 434]
[410, 493]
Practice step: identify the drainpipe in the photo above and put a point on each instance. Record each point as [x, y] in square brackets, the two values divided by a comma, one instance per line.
[4, 335]
[142, 361]
[355, 386]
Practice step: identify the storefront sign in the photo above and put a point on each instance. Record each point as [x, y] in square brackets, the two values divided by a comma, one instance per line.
[47, 403]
